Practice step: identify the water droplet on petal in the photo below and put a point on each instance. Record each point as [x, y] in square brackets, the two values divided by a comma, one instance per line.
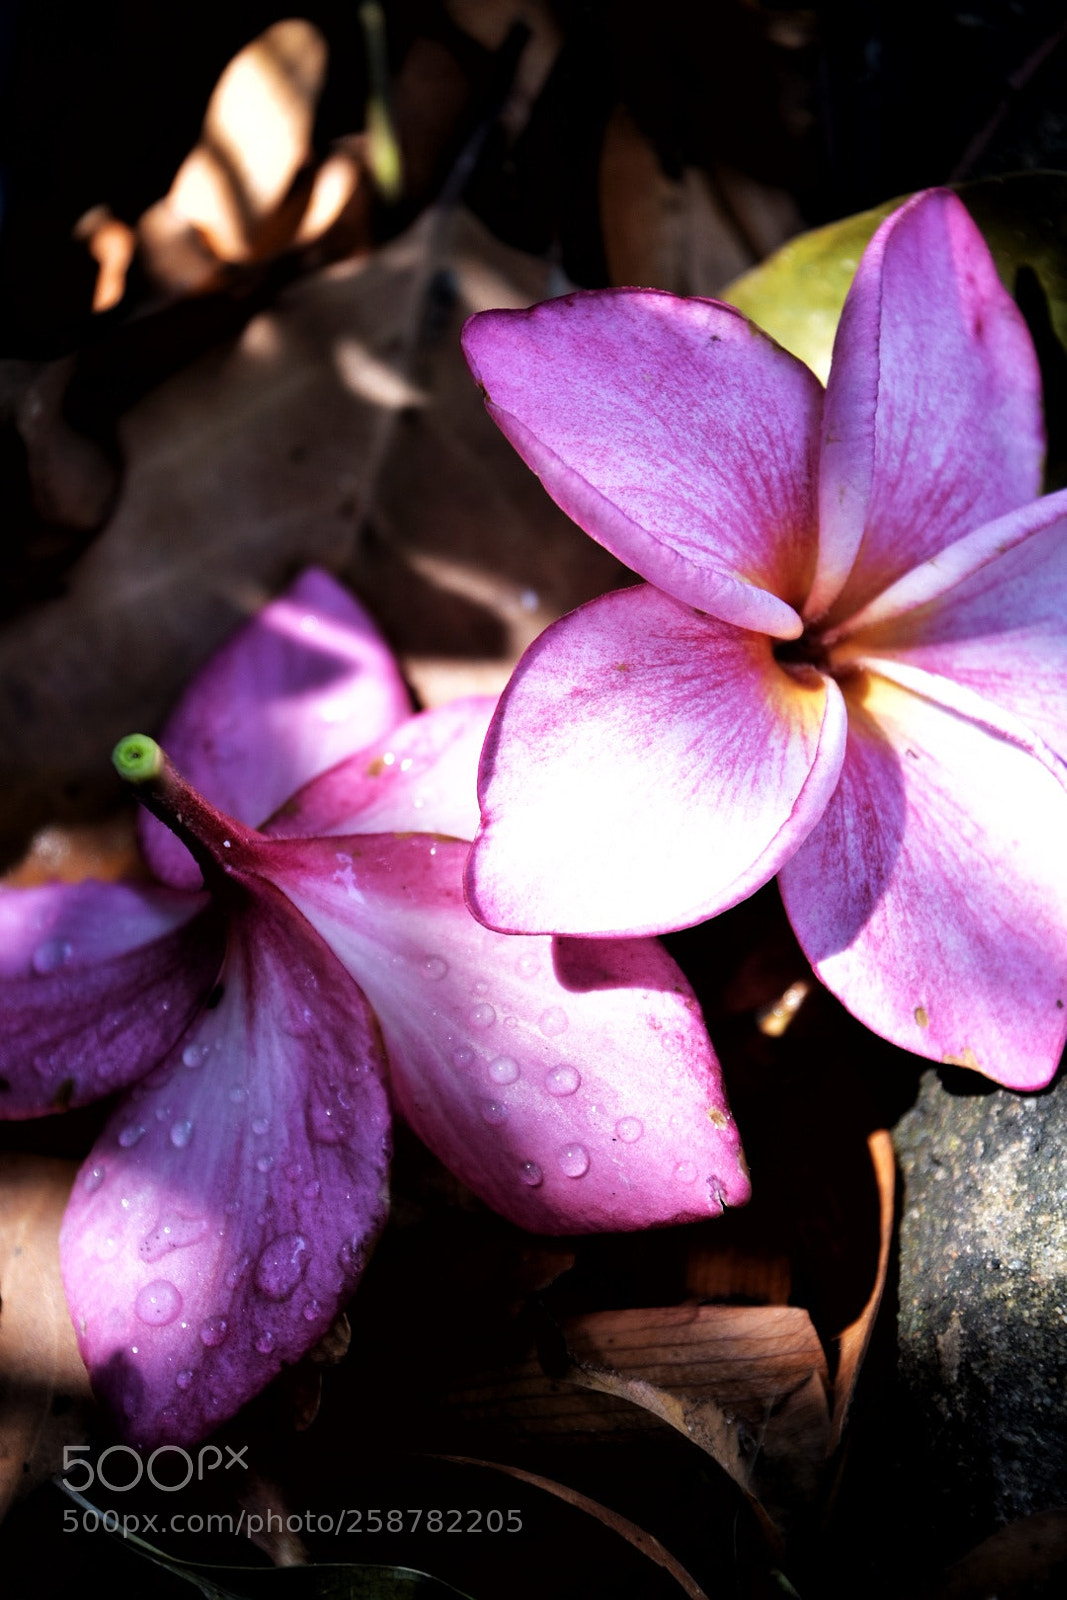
[481, 987]
[530, 1174]
[238, 1271]
[629, 1129]
[312, 1311]
[181, 1133]
[265, 1342]
[282, 1265]
[434, 967]
[260, 1125]
[503, 1070]
[562, 1080]
[494, 1112]
[527, 966]
[172, 1232]
[483, 1016]
[463, 1056]
[108, 1248]
[193, 1054]
[264, 1163]
[51, 955]
[573, 1160]
[158, 1303]
[93, 1179]
[238, 1096]
[328, 1124]
[130, 1135]
[553, 1021]
[312, 1189]
[214, 1332]
[685, 1172]
[184, 1379]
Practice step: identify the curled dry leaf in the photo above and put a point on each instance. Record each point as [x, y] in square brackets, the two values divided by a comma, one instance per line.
[642, 1541]
[42, 1379]
[855, 1339]
[235, 197]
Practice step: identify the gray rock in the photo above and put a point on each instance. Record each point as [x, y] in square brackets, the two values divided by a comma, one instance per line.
[983, 1303]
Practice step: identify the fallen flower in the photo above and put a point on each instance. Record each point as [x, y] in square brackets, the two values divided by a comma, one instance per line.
[229, 1205]
[851, 668]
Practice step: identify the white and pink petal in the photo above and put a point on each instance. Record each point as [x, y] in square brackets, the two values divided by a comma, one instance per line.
[996, 627]
[932, 897]
[227, 1210]
[570, 1084]
[676, 433]
[648, 767]
[420, 778]
[304, 683]
[933, 422]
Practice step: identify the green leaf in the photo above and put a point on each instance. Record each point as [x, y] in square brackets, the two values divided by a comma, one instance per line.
[797, 294]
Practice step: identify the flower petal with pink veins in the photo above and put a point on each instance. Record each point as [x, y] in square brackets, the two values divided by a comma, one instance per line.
[676, 433]
[931, 898]
[648, 767]
[999, 631]
[932, 422]
[570, 1084]
[225, 1213]
[421, 778]
[97, 982]
[304, 683]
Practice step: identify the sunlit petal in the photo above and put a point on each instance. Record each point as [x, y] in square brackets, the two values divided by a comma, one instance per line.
[675, 433]
[932, 898]
[933, 407]
[648, 767]
[570, 1084]
[999, 630]
[422, 777]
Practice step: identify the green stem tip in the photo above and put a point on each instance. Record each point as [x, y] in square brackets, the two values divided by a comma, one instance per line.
[137, 758]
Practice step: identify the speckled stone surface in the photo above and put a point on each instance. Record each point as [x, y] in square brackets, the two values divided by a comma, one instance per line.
[983, 1302]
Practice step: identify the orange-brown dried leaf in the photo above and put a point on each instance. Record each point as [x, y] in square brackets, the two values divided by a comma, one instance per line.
[855, 1339]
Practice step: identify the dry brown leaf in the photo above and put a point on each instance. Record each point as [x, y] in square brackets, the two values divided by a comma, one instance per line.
[642, 1541]
[854, 1340]
[255, 460]
[71, 480]
[747, 1383]
[42, 1379]
[1023, 1559]
[106, 850]
[660, 233]
[234, 198]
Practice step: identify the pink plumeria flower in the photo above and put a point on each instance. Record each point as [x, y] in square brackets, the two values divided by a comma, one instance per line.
[848, 665]
[257, 1002]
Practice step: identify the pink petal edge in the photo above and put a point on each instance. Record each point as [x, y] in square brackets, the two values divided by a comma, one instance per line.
[674, 432]
[304, 683]
[933, 423]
